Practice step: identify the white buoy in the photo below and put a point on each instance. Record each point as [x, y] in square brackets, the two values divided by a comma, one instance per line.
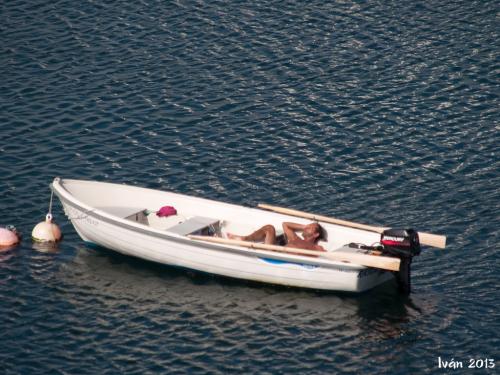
[8, 238]
[46, 231]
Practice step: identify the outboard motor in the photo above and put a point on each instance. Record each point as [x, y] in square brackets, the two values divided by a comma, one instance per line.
[404, 244]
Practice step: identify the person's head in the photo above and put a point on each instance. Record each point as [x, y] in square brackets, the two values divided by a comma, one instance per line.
[313, 232]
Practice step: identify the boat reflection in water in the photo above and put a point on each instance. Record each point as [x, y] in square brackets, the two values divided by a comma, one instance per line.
[111, 284]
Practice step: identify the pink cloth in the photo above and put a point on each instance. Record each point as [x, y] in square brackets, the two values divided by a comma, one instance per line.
[166, 211]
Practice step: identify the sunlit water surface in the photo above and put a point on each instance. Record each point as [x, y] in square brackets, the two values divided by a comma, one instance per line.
[378, 112]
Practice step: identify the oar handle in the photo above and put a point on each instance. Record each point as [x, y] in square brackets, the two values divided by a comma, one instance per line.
[362, 258]
[256, 245]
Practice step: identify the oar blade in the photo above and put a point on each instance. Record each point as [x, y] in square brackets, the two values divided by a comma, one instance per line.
[365, 259]
[428, 239]
[435, 240]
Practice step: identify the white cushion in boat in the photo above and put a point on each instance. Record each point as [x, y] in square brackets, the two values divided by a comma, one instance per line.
[163, 223]
[193, 224]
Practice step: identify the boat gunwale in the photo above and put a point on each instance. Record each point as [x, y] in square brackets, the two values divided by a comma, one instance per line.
[165, 235]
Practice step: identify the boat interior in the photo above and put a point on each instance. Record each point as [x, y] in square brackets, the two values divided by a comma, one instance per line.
[197, 216]
[185, 225]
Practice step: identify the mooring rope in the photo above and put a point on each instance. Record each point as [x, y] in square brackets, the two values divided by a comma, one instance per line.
[50, 203]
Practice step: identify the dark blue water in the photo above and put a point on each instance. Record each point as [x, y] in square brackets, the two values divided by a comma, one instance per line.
[385, 113]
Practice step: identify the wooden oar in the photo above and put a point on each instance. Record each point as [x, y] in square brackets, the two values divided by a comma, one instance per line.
[429, 239]
[363, 258]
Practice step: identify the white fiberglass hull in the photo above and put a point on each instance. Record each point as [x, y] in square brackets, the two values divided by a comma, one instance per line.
[97, 211]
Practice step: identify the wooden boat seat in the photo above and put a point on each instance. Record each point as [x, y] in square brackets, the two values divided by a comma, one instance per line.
[136, 214]
[196, 225]
[164, 223]
[145, 216]
[177, 224]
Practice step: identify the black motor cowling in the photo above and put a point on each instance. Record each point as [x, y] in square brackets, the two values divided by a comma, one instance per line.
[404, 244]
[400, 242]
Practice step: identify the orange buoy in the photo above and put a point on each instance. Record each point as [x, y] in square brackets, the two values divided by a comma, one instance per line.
[46, 231]
[8, 237]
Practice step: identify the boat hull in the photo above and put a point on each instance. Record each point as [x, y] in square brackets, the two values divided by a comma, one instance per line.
[140, 241]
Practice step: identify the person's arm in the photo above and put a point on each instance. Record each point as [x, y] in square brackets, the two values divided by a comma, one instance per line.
[290, 228]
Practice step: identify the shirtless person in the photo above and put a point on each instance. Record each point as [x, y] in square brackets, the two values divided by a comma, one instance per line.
[311, 234]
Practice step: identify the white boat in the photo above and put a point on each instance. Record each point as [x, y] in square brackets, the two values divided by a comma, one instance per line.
[123, 218]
